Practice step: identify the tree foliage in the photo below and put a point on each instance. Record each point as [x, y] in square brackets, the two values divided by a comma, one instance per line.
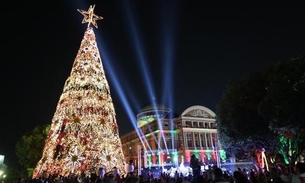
[242, 130]
[30, 146]
[285, 96]
[261, 103]
[283, 106]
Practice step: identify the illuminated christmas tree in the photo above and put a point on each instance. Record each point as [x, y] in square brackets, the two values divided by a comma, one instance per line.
[84, 134]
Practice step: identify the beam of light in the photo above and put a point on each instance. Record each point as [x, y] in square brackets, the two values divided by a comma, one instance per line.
[111, 71]
[118, 88]
[168, 22]
[139, 51]
[162, 133]
[167, 84]
[114, 79]
[152, 134]
[118, 85]
[126, 105]
[146, 74]
[143, 140]
[160, 116]
[124, 94]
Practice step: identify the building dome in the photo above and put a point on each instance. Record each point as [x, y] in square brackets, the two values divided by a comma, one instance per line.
[151, 112]
[157, 106]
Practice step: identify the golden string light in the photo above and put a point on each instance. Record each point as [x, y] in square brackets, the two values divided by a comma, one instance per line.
[89, 16]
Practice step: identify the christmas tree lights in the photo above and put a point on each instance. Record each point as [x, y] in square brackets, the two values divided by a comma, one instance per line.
[84, 134]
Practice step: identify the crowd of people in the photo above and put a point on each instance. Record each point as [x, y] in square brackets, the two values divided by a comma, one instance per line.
[279, 174]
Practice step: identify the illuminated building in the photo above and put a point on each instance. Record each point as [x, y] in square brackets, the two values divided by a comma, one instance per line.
[165, 139]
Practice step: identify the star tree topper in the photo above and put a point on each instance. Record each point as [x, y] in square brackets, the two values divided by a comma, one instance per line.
[89, 16]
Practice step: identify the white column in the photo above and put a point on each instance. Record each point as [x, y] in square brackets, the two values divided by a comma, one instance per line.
[206, 140]
[184, 134]
[199, 138]
[193, 136]
[139, 160]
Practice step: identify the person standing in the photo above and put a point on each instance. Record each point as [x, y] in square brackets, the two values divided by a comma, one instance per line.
[130, 168]
[115, 171]
[195, 165]
[101, 173]
[218, 176]
[109, 178]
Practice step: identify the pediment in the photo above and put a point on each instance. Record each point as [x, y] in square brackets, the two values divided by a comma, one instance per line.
[198, 113]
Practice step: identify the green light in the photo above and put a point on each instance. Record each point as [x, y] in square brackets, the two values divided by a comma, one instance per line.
[223, 155]
[196, 153]
[175, 157]
[283, 141]
[208, 155]
[148, 160]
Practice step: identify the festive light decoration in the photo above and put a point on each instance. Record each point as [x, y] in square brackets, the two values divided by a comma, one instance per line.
[89, 16]
[84, 133]
[261, 159]
[290, 140]
[264, 160]
[74, 159]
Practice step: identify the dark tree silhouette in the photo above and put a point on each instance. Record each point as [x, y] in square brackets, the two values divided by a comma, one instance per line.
[283, 106]
[29, 147]
[265, 109]
[242, 130]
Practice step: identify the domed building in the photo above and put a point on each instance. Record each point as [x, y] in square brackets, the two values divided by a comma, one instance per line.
[166, 140]
[152, 112]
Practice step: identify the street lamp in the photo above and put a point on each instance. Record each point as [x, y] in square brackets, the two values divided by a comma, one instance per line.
[2, 175]
[129, 152]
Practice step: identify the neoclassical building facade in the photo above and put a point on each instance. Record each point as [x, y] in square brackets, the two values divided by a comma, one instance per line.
[166, 139]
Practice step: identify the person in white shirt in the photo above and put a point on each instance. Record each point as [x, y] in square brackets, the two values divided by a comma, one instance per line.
[130, 168]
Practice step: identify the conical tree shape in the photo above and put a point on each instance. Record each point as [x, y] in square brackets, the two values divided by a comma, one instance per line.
[84, 133]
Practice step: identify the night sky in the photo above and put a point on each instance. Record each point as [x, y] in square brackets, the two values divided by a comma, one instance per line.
[189, 50]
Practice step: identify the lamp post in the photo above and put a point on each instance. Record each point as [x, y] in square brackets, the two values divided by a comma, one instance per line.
[217, 157]
[129, 152]
[2, 175]
[139, 160]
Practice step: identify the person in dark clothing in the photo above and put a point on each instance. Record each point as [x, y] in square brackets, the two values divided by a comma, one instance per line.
[195, 165]
[275, 176]
[240, 177]
[218, 176]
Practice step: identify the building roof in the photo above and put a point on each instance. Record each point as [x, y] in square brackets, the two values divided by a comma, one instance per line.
[154, 106]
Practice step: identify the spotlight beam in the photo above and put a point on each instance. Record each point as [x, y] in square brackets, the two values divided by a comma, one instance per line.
[139, 52]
